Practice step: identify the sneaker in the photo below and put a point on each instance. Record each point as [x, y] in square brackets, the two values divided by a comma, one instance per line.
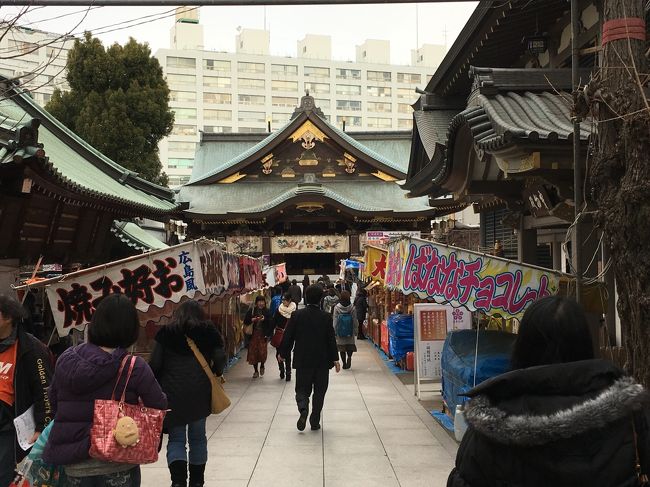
[256, 374]
[302, 421]
[262, 370]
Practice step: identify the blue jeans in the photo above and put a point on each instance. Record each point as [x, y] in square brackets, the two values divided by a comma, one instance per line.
[192, 434]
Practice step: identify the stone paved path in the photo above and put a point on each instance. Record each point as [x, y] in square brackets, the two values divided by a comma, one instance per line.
[374, 434]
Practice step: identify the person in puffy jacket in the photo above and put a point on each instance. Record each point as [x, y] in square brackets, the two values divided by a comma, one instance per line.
[188, 388]
[345, 342]
[88, 372]
[560, 418]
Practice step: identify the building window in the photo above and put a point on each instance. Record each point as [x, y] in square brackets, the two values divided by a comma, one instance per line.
[322, 88]
[405, 123]
[175, 181]
[404, 108]
[252, 117]
[250, 83]
[348, 73]
[251, 130]
[177, 146]
[216, 65]
[217, 115]
[349, 121]
[379, 91]
[284, 101]
[406, 93]
[252, 100]
[354, 105]
[280, 118]
[181, 62]
[379, 76]
[184, 129]
[411, 78]
[46, 98]
[379, 123]
[55, 52]
[217, 98]
[323, 103]
[183, 96]
[216, 82]
[217, 129]
[317, 72]
[243, 67]
[23, 47]
[181, 79]
[348, 89]
[281, 85]
[284, 69]
[177, 163]
[188, 113]
[374, 106]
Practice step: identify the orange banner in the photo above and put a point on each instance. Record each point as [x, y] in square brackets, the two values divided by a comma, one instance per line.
[376, 263]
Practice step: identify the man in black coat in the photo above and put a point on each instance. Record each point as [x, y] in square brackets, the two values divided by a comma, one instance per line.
[296, 292]
[315, 353]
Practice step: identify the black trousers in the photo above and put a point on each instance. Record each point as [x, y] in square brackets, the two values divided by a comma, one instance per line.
[286, 364]
[306, 381]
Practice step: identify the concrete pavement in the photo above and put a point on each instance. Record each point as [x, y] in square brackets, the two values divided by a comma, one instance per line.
[374, 433]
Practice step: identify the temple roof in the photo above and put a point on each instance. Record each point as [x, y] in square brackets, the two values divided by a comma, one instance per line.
[221, 155]
[220, 200]
[136, 237]
[73, 164]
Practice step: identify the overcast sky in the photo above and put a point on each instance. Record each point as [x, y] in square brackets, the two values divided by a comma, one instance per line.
[348, 25]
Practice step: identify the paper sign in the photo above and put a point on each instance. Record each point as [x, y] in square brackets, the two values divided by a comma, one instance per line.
[25, 428]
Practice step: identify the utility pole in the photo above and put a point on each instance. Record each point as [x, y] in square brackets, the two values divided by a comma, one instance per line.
[619, 175]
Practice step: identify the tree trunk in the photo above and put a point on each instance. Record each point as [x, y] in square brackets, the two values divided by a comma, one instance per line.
[620, 180]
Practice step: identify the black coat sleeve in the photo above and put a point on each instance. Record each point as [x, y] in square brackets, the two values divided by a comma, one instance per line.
[332, 349]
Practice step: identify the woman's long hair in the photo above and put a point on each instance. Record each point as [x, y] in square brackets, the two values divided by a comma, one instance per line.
[553, 330]
[188, 315]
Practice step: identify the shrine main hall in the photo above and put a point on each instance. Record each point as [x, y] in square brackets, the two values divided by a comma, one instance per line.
[304, 194]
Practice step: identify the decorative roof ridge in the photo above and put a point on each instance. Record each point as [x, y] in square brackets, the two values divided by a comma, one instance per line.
[490, 81]
[95, 157]
[120, 230]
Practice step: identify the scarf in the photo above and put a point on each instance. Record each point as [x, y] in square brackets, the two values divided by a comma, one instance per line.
[287, 311]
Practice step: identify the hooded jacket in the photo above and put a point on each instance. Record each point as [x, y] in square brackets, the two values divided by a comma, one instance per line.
[560, 425]
[85, 373]
[329, 302]
[181, 376]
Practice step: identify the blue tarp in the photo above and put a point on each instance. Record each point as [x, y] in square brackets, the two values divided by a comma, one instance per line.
[494, 348]
[400, 335]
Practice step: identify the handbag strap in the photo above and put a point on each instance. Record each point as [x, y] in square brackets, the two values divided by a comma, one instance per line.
[128, 376]
[199, 356]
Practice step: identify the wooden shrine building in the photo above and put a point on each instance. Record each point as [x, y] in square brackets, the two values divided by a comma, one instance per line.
[306, 194]
[60, 198]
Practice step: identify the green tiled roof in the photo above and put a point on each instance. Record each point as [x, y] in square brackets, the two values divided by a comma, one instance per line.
[136, 237]
[80, 167]
[251, 198]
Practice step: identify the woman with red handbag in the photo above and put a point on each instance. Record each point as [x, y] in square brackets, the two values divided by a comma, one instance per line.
[280, 320]
[90, 372]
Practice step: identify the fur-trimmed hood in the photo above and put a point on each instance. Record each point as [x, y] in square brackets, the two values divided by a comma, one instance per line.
[540, 405]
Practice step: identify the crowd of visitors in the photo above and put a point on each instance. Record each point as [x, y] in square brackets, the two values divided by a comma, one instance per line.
[559, 417]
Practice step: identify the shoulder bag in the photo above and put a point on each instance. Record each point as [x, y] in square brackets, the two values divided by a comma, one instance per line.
[122, 432]
[278, 335]
[220, 400]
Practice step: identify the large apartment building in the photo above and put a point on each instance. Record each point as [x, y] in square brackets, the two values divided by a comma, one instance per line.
[37, 58]
[251, 91]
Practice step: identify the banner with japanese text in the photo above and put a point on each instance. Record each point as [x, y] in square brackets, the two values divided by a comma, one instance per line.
[149, 280]
[459, 277]
[310, 244]
[376, 263]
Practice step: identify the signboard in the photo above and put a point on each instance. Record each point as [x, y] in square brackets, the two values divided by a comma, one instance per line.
[381, 238]
[281, 273]
[310, 244]
[197, 268]
[432, 323]
[376, 263]
[244, 244]
[472, 280]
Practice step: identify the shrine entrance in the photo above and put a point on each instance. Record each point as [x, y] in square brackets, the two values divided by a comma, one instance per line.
[315, 264]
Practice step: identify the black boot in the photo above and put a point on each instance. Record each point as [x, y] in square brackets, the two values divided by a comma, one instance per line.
[349, 362]
[281, 365]
[196, 475]
[178, 472]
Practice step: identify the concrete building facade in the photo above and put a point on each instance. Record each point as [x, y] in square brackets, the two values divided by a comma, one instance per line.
[251, 91]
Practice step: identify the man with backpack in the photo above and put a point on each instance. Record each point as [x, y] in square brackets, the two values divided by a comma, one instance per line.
[346, 327]
[315, 353]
